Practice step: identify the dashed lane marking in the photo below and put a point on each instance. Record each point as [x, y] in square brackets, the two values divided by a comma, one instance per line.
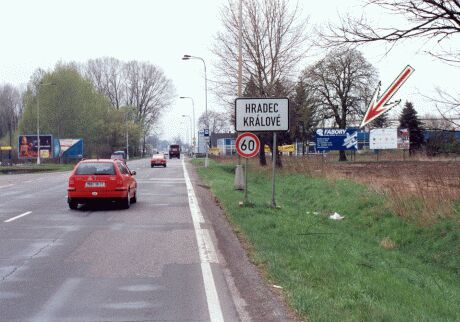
[19, 216]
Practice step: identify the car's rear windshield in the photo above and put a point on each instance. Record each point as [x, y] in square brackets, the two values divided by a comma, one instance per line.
[95, 168]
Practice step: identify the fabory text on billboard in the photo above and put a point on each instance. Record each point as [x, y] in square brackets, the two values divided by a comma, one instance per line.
[336, 139]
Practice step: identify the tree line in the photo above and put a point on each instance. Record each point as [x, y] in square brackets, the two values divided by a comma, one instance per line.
[103, 101]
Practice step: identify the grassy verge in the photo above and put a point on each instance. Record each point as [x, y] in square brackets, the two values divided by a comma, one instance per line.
[370, 266]
[29, 168]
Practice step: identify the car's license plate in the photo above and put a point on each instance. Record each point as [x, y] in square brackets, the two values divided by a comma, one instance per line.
[94, 184]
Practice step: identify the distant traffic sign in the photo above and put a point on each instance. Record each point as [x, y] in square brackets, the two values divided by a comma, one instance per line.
[261, 114]
[247, 145]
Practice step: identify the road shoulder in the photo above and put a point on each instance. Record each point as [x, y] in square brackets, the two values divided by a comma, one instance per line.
[251, 292]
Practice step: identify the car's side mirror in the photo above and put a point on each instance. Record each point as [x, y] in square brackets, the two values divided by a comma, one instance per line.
[133, 173]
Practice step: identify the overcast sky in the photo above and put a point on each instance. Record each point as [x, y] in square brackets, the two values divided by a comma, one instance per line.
[38, 34]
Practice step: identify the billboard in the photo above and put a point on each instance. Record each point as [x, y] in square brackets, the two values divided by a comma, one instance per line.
[383, 139]
[71, 148]
[202, 142]
[330, 139]
[28, 146]
[389, 138]
[403, 139]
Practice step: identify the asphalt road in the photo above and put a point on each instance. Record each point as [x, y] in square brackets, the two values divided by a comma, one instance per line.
[153, 262]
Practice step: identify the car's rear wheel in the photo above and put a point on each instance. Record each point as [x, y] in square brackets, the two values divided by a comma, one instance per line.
[73, 205]
[126, 202]
[151, 165]
[164, 165]
[134, 198]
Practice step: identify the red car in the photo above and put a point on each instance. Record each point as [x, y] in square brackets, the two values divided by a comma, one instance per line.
[158, 159]
[101, 180]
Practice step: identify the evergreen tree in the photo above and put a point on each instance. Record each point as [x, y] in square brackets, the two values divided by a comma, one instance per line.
[381, 121]
[302, 114]
[409, 120]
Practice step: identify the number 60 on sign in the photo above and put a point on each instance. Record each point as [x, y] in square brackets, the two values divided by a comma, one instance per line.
[247, 145]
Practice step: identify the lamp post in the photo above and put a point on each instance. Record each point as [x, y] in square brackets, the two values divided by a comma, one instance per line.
[193, 128]
[188, 57]
[38, 118]
[190, 119]
[127, 134]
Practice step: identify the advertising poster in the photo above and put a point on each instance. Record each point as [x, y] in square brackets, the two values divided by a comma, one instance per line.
[330, 139]
[403, 139]
[28, 146]
[383, 139]
[71, 148]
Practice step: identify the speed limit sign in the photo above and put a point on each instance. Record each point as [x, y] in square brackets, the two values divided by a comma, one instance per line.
[247, 145]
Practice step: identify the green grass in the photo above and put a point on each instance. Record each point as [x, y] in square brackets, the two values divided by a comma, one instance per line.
[337, 270]
[28, 168]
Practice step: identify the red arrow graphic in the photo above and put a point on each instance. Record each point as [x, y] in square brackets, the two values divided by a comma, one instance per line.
[380, 105]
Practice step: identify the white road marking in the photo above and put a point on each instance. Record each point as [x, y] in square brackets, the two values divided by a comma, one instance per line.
[206, 251]
[6, 186]
[19, 216]
[58, 301]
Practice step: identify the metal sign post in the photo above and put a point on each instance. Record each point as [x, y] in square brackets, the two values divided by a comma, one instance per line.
[273, 170]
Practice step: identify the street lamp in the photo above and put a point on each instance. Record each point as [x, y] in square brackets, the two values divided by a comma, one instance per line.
[190, 119]
[38, 118]
[193, 128]
[188, 57]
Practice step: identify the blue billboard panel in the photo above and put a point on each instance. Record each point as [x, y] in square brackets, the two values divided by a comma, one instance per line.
[337, 139]
[71, 148]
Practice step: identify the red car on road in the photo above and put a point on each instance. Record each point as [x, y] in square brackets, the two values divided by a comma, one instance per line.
[101, 180]
[158, 159]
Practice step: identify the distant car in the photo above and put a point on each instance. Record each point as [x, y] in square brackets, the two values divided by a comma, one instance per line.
[158, 160]
[174, 151]
[101, 180]
[118, 155]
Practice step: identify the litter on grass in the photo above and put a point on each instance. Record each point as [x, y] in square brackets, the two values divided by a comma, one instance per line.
[277, 286]
[336, 216]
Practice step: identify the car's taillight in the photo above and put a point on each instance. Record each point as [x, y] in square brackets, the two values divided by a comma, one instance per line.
[71, 184]
[120, 184]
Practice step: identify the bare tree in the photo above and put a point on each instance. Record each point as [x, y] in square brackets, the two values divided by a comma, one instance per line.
[429, 19]
[341, 84]
[433, 122]
[273, 44]
[448, 106]
[10, 109]
[149, 91]
[218, 122]
[106, 75]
